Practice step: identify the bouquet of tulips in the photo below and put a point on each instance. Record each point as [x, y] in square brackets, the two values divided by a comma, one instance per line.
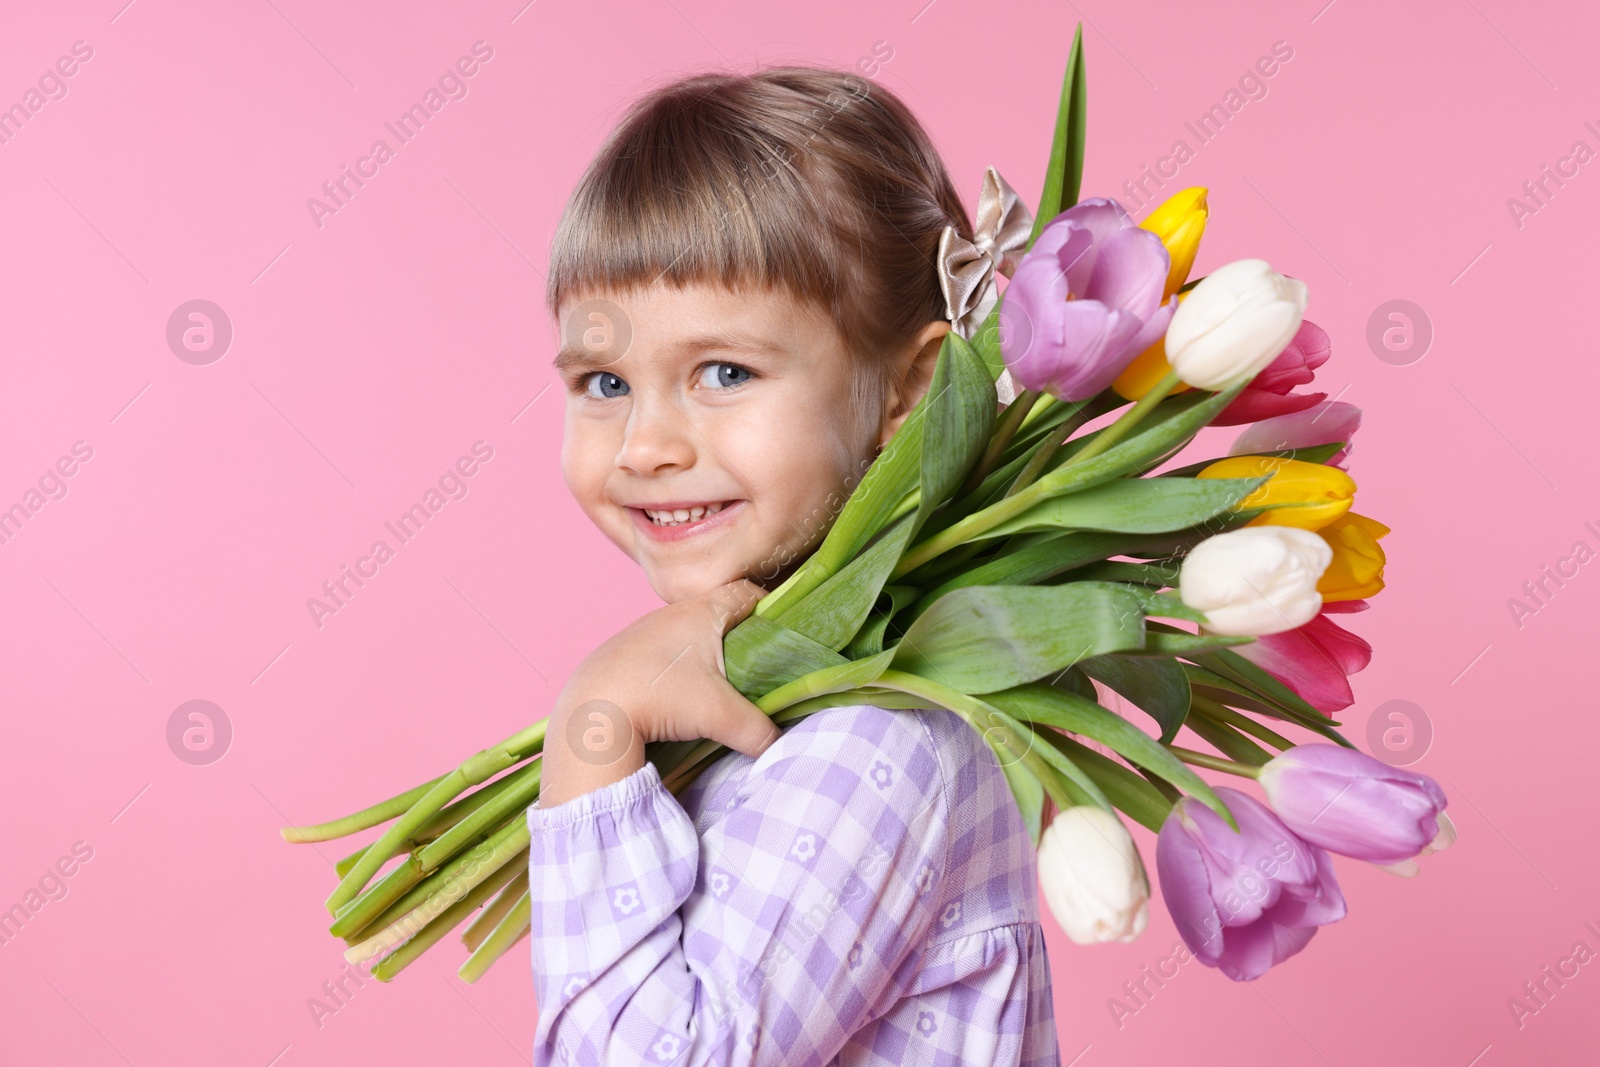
[1024, 568]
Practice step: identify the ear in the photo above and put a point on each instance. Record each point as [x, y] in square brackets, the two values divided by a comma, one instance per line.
[910, 375]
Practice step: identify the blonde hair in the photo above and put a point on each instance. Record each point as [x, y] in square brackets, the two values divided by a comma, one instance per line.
[815, 180]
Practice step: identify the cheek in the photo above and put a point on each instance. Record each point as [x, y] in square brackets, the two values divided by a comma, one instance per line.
[583, 460]
[805, 459]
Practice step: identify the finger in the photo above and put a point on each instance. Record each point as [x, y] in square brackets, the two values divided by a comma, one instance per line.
[733, 602]
[740, 725]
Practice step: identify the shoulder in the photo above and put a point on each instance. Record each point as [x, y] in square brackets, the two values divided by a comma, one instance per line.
[862, 756]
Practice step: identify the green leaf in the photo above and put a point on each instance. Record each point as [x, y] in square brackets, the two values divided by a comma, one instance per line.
[759, 655]
[1156, 686]
[1029, 794]
[983, 638]
[1313, 454]
[832, 613]
[869, 641]
[1066, 711]
[1151, 575]
[986, 342]
[1163, 640]
[1045, 555]
[1169, 426]
[1133, 505]
[1228, 741]
[1128, 792]
[1235, 694]
[1073, 680]
[1233, 666]
[1079, 785]
[834, 679]
[959, 421]
[1063, 175]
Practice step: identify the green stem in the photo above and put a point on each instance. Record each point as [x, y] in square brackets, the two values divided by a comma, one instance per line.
[513, 927]
[1010, 422]
[377, 898]
[441, 889]
[1223, 713]
[443, 821]
[1039, 461]
[367, 817]
[497, 909]
[447, 920]
[478, 768]
[1046, 402]
[1127, 421]
[1215, 763]
[492, 814]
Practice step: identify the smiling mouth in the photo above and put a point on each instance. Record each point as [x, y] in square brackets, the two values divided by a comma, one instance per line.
[668, 517]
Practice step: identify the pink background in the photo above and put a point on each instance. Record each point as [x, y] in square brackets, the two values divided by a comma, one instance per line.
[369, 353]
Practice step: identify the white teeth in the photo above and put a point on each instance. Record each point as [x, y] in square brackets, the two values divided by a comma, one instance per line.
[678, 516]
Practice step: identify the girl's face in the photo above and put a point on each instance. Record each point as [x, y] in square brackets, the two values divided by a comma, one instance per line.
[710, 433]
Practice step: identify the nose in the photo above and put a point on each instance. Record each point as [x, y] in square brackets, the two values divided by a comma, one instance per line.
[658, 436]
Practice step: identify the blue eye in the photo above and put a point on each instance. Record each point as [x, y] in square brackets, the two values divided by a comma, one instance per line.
[725, 375]
[610, 386]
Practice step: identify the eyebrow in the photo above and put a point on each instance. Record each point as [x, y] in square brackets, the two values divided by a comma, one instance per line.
[726, 340]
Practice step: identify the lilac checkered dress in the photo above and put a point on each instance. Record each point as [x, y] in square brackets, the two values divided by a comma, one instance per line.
[864, 893]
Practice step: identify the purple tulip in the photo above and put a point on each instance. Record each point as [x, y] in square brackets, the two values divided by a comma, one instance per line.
[1320, 424]
[1244, 901]
[1355, 805]
[1085, 300]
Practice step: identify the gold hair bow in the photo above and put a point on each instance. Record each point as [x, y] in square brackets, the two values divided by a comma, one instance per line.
[967, 268]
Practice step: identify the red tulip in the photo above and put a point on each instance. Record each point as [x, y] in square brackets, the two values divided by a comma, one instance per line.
[1315, 660]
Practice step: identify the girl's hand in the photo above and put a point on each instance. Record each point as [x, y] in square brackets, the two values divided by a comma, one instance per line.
[660, 679]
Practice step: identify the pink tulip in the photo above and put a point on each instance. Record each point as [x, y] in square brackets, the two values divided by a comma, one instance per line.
[1085, 300]
[1269, 396]
[1319, 424]
[1315, 660]
[1246, 901]
[1350, 803]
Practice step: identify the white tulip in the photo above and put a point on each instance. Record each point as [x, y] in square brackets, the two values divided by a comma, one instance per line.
[1255, 580]
[1234, 323]
[1092, 878]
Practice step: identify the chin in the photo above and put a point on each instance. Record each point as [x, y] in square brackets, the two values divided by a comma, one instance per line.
[674, 587]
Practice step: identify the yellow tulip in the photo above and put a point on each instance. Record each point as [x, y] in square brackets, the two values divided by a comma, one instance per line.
[1179, 223]
[1357, 568]
[1147, 368]
[1307, 495]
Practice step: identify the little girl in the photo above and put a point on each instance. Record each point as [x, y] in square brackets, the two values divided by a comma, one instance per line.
[750, 305]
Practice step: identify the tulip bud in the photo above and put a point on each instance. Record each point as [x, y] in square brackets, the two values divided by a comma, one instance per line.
[1256, 580]
[1307, 495]
[1234, 323]
[1179, 222]
[1092, 878]
[1356, 570]
[1350, 803]
[1442, 840]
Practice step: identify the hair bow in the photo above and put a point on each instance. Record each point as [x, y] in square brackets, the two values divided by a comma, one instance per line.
[967, 268]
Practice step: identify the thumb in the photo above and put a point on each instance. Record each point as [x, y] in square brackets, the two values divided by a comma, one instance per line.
[739, 724]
